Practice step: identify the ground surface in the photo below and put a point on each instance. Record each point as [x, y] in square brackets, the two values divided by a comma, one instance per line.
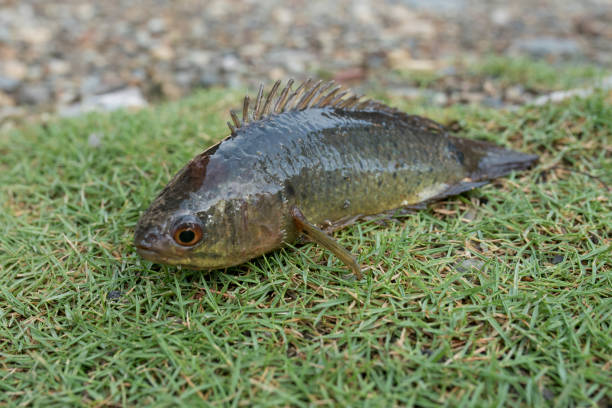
[60, 55]
[494, 298]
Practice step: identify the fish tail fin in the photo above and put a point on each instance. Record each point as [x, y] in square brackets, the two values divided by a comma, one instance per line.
[487, 161]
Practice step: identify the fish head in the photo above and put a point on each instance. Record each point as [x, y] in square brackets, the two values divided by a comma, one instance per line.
[203, 219]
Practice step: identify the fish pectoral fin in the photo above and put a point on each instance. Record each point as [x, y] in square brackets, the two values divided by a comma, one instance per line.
[321, 238]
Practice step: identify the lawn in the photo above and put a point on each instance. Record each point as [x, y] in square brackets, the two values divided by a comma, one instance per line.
[498, 297]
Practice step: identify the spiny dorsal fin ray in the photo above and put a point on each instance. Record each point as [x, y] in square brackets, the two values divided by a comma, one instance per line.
[257, 108]
[309, 94]
[280, 103]
[266, 107]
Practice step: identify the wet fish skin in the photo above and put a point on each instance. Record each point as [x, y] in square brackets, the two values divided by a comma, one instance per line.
[330, 163]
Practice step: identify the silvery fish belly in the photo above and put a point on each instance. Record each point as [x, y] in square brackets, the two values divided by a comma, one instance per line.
[299, 159]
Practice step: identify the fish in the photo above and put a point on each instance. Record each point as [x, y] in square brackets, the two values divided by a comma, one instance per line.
[306, 162]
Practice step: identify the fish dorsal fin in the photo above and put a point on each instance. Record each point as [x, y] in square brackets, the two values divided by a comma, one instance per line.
[309, 94]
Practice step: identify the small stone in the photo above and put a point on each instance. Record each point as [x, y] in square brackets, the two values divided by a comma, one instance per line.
[34, 94]
[184, 78]
[35, 73]
[439, 99]
[427, 352]
[472, 97]
[375, 60]
[282, 16]
[198, 29]
[548, 394]
[123, 98]
[232, 80]
[66, 95]
[557, 259]
[114, 295]
[162, 52]
[402, 59]
[470, 215]
[277, 73]
[200, 58]
[11, 112]
[209, 78]
[501, 16]
[85, 11]
[143, 38]
[156, 25]
[547, 46]
[90, 84]
[8, 84]
[252, 50]
[292, 61]
[230, 63]
[363, 13]
[94, 140]
[6, 100]
[469, 265]
[514, 93]
[447, 71]
[5, 34]
[349, 74]
[34, 34]
[13, 69]
[492, 102]
[409, 93]
[59, 67]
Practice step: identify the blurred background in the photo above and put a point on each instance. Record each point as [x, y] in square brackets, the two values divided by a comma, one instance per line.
[77, 55]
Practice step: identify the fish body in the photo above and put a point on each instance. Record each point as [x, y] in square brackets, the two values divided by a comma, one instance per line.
[325, 163]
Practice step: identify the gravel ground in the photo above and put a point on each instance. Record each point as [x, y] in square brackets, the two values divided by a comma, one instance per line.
[74, 55]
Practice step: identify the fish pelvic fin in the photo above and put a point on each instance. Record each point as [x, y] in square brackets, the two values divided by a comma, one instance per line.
[327, 242]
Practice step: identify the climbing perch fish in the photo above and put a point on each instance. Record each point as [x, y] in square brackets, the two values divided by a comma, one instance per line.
[300, 159]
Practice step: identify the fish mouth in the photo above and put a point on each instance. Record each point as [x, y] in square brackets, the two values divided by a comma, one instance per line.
[152, 255]
[159, 256]
[147, 253]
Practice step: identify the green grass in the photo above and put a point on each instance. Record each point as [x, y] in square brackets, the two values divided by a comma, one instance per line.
[540, 74]
[536, 75]
[499, 297]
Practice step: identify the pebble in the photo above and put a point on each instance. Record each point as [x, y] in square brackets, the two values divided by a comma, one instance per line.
[156, 25]
[514, 93]
[8, 84]
[114, 295]
[209, 78]
[469, 265]
[230, 63]
[547, 46]
[58, 67]
[440, 99]
[557, 259]
[123, 98]
[33, 94]
[52, 54]
[501, 16]
[493, 102]
[200, 58]
[34, 35]
[6, 100]
[13, 69]
[94, 140]
[162, 52]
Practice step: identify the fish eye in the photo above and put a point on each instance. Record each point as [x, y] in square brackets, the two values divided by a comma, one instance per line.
[187, 234]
